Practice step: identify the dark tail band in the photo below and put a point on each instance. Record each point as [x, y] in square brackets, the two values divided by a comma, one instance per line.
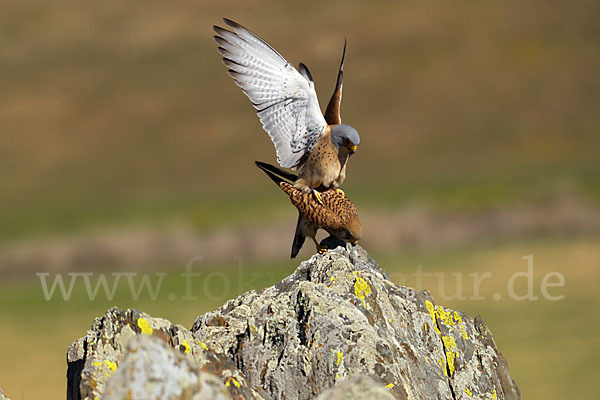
[276, 174]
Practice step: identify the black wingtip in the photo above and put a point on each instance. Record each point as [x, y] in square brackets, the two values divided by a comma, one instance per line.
[343, 55]
[305, 72]
[229, 22]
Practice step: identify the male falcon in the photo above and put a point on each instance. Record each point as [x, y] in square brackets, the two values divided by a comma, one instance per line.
[288, 108]
[336, 214]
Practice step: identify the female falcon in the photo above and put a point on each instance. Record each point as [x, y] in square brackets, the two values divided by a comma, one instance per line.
[288, 108]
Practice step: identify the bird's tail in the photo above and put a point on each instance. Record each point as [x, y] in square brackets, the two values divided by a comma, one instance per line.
[299, 238]
[276, 174]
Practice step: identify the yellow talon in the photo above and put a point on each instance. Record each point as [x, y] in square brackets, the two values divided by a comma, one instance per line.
[340, 191]
[322, 249]
[317, 196]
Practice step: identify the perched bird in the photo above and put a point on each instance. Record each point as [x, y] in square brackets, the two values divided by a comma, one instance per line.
[336, 214]
[287, 105]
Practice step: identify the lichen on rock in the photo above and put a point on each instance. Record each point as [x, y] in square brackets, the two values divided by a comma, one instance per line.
[335, 323]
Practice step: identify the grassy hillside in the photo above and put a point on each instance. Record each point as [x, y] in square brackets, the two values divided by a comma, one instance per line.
[118, 112]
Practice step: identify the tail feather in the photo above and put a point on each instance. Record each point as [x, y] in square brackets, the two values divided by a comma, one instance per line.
[276, 174]
[299, 238]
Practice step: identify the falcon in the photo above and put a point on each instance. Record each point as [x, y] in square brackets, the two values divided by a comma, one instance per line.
[336, 214]
[286, 102]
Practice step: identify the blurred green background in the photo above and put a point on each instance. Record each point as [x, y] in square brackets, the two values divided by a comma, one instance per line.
[126, 147]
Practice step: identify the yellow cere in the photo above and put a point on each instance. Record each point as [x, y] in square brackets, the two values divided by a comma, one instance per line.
[467, 391]
[186, 346]
[361, 289]
[389, 385]
[205, 347]
[144, 326]
[451, 352]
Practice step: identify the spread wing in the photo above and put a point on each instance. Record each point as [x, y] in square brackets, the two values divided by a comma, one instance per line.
[285, 100]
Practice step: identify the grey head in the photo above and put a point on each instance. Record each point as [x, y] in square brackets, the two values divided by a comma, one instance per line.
[345, 136]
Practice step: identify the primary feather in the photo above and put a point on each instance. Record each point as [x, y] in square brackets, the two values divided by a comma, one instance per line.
[285, 100]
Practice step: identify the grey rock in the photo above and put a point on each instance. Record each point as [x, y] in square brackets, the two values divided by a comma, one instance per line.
[336, 328]
[338, 316]
[152, 370]
[358, 387]
[2, 396]
[94, 359]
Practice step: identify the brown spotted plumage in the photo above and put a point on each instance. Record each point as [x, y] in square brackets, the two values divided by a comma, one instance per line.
[316, 145]
[337, 215]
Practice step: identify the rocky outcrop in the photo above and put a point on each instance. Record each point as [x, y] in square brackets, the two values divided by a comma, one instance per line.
[335, 328]
[357, 387]
[2, 396]
[94, 359]
[152, 370]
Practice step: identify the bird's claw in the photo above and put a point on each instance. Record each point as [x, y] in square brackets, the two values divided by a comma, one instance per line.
[340, 191]
[322, 249]
[317, 196]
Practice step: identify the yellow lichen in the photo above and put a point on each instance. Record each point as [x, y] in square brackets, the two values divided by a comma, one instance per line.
[389, 385]
[235, 382]
[205, 347]
[111, 365]
[186, 346]
[331, 279]
[340, 356]
[431, 310]
[494, 394]
[447, 317]
[442, 362]
[467, 391]
[144, 326]
[451, 352]
[361, 289]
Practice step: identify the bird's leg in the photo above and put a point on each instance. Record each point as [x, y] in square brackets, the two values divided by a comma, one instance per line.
[340, 191]
[321, 249]
[317, 196]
